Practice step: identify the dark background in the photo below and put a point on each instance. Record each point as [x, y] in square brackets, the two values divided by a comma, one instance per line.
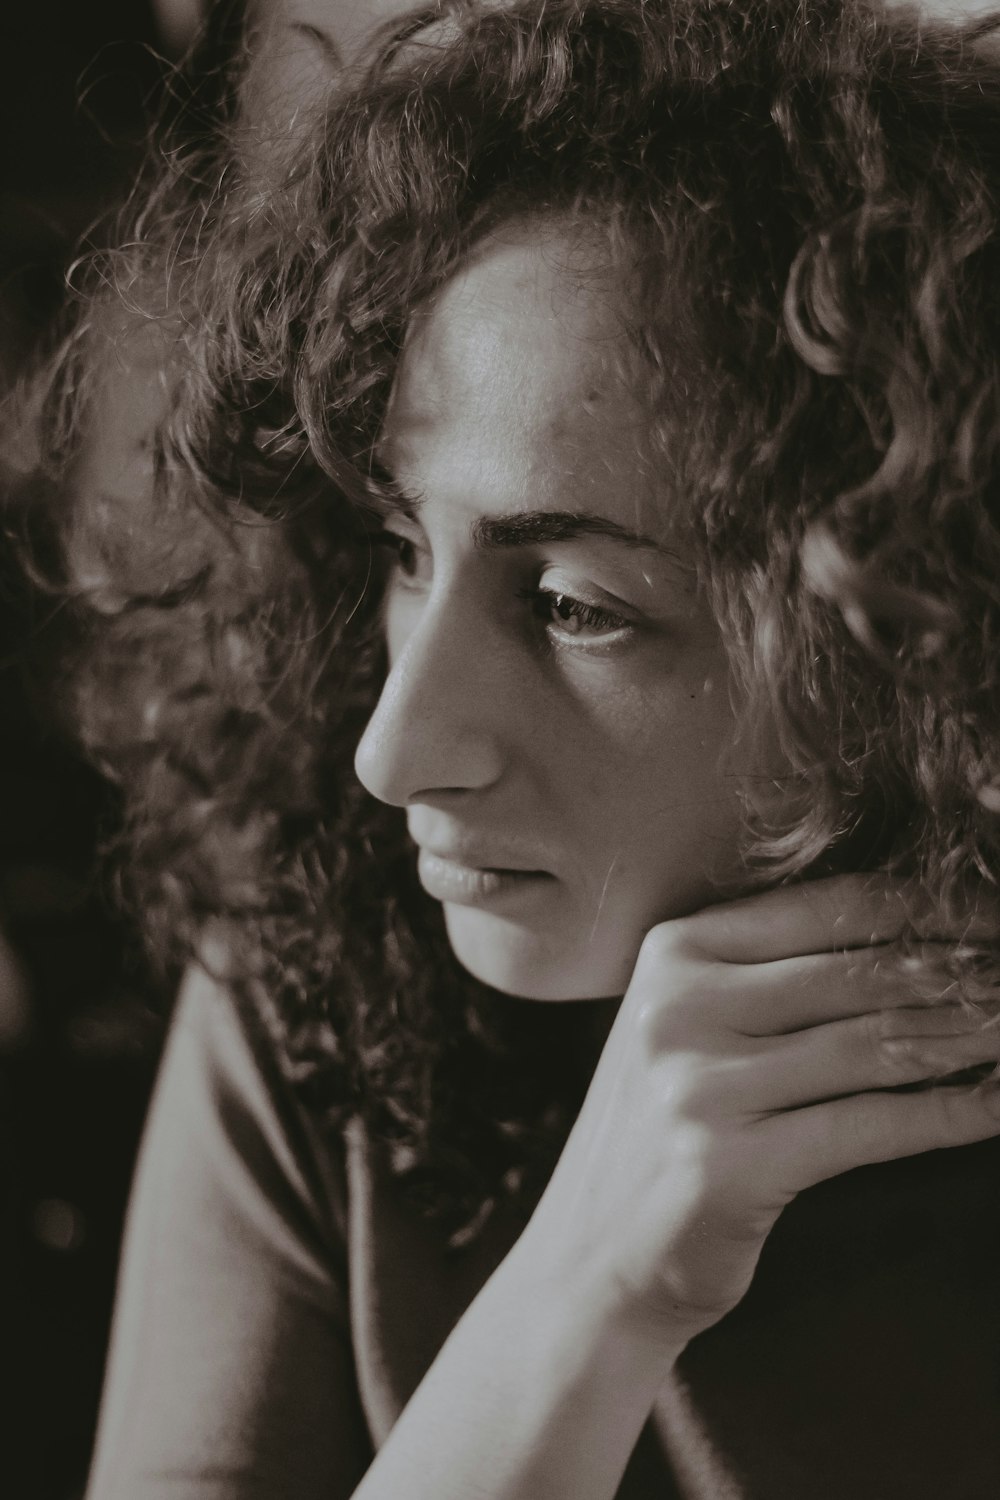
[80, 1016]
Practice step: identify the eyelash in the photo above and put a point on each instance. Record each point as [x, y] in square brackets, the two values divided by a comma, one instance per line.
[588, 616]
[397, 544]
[544, 602]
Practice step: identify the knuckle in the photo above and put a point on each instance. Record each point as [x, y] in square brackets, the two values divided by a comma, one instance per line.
[672, 941]
[895, 1056]
[691, 1153]
[685, 1097]
[886, 1026]
[692, 1087]
[921, 972]
[671, 1017]
[648, 1021]
[677, 994]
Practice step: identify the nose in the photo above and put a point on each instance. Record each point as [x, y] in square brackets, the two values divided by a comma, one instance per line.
[438, 725]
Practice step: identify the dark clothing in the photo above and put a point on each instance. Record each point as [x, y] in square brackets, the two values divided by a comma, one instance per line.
[279, 1302]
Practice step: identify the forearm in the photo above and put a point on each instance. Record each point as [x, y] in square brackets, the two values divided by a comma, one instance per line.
[540, 1393]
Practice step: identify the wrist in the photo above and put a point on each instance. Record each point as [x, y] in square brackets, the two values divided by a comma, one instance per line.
[589, 1316]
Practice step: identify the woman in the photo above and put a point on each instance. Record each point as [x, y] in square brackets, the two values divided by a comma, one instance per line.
[593, 430]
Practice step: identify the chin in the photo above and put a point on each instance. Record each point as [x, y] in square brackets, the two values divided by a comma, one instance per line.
[536, 965]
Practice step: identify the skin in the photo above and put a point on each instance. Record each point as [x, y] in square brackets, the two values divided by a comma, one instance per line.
[515, 731]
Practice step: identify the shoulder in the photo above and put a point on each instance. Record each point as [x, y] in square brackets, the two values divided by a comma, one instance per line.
[224, 1105]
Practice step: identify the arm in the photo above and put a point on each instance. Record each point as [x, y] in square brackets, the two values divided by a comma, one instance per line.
[540, 1392]
[757, 1052]
[230, 1375]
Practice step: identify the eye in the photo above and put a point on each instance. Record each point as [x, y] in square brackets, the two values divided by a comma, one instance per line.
[406, 557]
[575, 618]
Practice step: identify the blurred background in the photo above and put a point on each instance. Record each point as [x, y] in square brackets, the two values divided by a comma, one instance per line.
[80, 1016]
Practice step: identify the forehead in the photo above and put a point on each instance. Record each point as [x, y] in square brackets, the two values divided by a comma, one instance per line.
[515, 376]
[530, 316]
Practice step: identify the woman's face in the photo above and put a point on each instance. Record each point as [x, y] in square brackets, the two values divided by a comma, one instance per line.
[557, 716]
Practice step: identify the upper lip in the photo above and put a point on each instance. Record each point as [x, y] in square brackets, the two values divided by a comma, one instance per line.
[477, 856]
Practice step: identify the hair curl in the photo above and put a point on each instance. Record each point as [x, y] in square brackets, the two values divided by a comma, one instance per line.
[803, 200]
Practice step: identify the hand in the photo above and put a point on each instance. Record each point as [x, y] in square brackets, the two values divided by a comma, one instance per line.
[755, 1054]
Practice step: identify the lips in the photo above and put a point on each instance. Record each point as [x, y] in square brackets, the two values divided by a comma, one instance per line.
[462, 882]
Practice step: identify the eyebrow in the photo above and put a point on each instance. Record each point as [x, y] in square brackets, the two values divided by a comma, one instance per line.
[321, 39]
[534, 527]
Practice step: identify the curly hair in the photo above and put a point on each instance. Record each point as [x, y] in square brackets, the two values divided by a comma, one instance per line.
[801, 199]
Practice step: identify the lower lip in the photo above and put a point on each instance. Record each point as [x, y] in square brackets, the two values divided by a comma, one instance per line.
[463, 885]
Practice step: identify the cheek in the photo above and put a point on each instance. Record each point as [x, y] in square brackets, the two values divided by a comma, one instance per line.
[656, 739]
[666, 789]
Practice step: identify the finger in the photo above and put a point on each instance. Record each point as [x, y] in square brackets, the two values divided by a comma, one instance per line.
[880, 1050]
[822, 916]
[827, 1139]
[791, 994]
